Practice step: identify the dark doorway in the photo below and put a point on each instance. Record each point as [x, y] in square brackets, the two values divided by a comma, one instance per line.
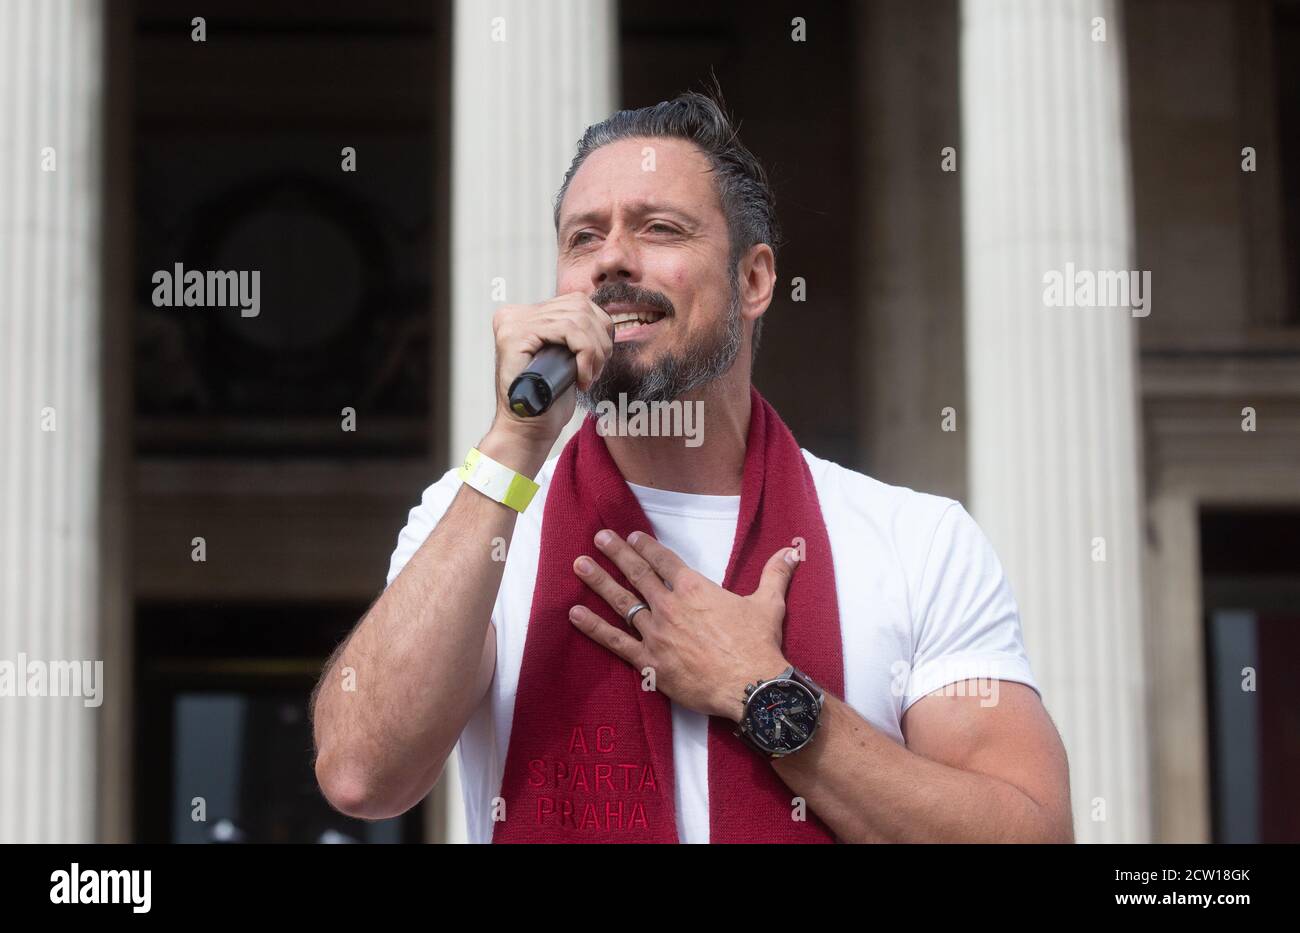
[1251, 570]
[224, 748]
[306, 143]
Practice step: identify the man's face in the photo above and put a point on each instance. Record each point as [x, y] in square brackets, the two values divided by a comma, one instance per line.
[651, 247]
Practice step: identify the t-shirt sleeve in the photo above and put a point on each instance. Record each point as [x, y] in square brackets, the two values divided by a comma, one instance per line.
[422, 520]
[965, 621]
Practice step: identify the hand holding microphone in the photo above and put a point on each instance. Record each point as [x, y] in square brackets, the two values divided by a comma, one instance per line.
[542, 350]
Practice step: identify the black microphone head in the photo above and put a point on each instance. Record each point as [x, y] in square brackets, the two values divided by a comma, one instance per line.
[529, 395]
[548, 375]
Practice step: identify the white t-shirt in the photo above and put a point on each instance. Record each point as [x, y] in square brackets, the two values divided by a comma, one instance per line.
[923, 603]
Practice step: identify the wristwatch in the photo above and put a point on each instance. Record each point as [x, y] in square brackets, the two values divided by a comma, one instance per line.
[781, 714]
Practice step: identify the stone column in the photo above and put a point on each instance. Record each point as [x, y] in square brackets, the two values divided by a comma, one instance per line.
[527, 79]
[51, 151]
[910, 346]
[1055, 475]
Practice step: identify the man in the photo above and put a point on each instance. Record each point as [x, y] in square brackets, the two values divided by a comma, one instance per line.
[660, 597]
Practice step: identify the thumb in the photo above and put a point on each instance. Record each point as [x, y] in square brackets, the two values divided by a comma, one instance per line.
[775, 580]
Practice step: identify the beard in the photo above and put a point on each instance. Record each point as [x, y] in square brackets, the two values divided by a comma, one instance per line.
[673, 375]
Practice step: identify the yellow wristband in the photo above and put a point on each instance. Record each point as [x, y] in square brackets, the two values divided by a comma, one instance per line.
[496, 480]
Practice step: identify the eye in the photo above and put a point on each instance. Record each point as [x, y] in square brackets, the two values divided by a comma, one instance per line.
[661, 226]
[577, 238]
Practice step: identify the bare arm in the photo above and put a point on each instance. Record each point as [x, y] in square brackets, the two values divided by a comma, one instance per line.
[395, 697]
[971, 772]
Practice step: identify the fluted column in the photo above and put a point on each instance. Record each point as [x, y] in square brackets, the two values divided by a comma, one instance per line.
[527, 79]
[1054, 458]
[51, 84]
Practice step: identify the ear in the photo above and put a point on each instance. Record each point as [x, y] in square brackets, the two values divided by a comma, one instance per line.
[757, 281]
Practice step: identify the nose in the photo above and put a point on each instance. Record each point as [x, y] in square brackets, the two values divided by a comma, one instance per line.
[616, 261]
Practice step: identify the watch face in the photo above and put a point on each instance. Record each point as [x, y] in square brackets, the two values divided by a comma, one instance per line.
[782, 716]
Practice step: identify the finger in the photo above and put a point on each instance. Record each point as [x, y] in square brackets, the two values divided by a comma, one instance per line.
[606, 322]
[576, 332]
[601, 632]
[583, 301]
[589, 314]
[665, 562]
[587, 338]
[590, 365]
[586, 370]
[606, 587]
[777, 573]
[600, 345]
[639, 573]
[574, 320]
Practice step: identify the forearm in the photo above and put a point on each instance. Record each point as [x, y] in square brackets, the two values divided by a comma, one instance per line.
[868, 788]
[397, 695]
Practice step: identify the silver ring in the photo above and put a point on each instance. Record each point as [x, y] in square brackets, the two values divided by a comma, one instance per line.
[634, 610]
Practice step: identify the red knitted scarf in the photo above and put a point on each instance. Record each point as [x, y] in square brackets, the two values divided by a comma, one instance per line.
[590, 757]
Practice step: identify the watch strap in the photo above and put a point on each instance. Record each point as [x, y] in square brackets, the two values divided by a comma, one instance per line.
[800, 677]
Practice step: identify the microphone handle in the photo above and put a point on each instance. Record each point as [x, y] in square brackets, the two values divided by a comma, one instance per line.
[547, 376]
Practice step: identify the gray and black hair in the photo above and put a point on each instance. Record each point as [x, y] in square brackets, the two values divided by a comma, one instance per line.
[741, 181]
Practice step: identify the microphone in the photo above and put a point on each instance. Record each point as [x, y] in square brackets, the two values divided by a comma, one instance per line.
[548, 374]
